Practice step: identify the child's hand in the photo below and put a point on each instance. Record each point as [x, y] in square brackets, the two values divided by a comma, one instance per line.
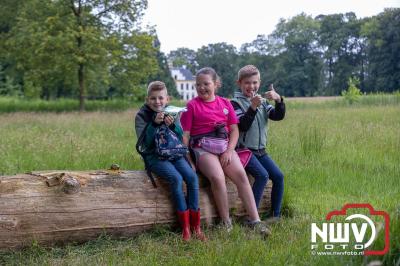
[272, 94]
[256, 101]
[226, 158]
[169, 120]
[159, 118]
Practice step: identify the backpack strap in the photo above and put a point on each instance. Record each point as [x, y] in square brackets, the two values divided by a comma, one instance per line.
[139, 149]
[140, 145]
[150, 175]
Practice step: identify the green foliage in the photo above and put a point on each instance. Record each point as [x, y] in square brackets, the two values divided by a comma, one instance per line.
[307, 56]
[300, 59]
[261, 45]
[61, 50]
[353, 93]
[139, 93]
[184, 56]
[135, 62]
[71, 48]
[339, 37]
[163, 72]
[222, 57]
[31, 90]
[382, 50]
[8, 86]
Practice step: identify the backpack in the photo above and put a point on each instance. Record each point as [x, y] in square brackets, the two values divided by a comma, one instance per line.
[167, 144]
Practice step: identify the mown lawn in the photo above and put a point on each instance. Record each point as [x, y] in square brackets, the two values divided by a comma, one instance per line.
[330, 156]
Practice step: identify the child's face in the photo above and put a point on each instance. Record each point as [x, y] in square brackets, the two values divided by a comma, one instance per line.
[205, 87]
[249, 85]
[157, 100]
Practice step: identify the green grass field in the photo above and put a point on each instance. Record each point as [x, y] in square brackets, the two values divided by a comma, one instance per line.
[19, 104]
[330, 156]
[16, 104]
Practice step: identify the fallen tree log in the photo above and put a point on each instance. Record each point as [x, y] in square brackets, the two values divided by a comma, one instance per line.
[59, 207]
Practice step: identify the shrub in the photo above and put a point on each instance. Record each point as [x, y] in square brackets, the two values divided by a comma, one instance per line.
[353, 93]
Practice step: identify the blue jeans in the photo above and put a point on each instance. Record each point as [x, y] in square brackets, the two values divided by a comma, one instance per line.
[261, 168]
[175, 172]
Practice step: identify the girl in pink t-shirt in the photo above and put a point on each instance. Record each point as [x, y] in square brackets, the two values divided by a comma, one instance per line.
[203, 114]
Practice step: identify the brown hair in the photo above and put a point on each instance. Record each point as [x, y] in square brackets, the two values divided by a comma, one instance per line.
[247, 71]
[210, 71]
[156, 86]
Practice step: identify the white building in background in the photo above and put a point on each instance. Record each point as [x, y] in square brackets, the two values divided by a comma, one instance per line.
[185, 82]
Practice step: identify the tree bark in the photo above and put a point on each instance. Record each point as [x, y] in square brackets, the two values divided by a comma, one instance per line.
[81, 67]
[53, 208]
[81, 80]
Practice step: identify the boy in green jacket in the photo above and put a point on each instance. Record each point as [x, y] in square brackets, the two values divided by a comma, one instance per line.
[148, 120]
[253, 112]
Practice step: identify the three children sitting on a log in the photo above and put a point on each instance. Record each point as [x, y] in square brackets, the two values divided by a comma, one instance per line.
[216, 131]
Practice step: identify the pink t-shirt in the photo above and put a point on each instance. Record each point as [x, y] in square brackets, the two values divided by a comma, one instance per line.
[201, 117]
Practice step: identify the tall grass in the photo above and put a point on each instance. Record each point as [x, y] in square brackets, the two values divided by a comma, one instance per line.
[376, 99]
[330, 156]
[14, 104]
[311, 139]
[67, 141]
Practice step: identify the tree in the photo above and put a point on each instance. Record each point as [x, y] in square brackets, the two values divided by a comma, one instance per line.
[223, 58]
[343, 49]
[184, 57]
[9, 79]
[301, 64]
[353, 93]
[7, 85]
[87, 44]
[383, 50]
[259, 46]
[163, 72]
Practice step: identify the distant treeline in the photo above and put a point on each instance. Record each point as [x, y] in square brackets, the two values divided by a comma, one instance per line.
[97, 49]
[307, 56]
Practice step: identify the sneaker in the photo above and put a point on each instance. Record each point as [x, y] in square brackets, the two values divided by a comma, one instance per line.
[260, 228]
[226, 225]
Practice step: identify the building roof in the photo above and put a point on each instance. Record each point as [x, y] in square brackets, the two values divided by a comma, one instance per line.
[185, 73]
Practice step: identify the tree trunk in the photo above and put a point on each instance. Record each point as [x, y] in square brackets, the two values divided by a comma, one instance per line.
[81, 74]
[81, 80]
[59, 207]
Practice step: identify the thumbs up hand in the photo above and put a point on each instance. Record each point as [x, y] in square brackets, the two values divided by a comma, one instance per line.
[272, 94]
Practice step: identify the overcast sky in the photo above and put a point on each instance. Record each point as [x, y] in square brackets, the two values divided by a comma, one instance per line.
[192, 24]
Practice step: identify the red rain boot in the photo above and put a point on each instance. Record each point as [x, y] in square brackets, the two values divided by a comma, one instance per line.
[195, 225]
[184, 221]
